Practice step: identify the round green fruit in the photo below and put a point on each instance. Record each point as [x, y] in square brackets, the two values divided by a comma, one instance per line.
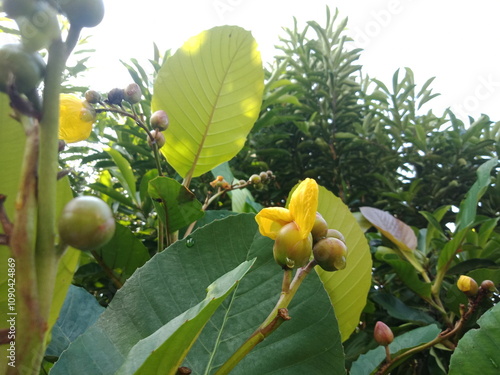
[25, 68]
[83, 13]
[330, 254]
[40, 28]
[132, 93]
[86, 223]
[16, 8]
[320, 228]
[290, 249]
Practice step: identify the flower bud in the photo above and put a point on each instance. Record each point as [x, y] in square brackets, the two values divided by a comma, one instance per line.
[40, 28]
[383, 334]
[159, 120]
[335, 234]
[83, 13]
[158, 138]
[320, 228]
[254, 179]
[132, 93]
[488, 286]
[92, 96]
[290, 249]
[23, 69]
[330, 254]
[115, 96]
[263, 176]
[16, 8]
[467, 285]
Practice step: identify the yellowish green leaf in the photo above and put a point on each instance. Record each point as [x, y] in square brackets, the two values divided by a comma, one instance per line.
[211, 89]
[347, 289]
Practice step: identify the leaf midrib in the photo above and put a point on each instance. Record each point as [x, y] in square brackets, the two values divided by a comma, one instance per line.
[207, 128]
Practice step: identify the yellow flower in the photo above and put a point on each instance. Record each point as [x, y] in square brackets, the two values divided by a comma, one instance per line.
[291, 228]
[75, 119]
[467, 285]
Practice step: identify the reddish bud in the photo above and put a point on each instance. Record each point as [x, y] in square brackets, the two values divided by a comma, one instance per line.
[383, 334]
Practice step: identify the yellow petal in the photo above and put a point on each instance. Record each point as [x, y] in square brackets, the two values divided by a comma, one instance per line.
[271, 220]
[303, 206]
[75, 119]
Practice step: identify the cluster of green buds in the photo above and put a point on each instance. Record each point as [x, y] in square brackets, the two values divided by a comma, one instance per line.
[261, 179]
[21, 66]
[329, 247]
[114, 101]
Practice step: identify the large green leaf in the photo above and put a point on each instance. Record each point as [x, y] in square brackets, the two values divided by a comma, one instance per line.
[175, 204]
[80, 310]
[467, 212]
[348, 289]
[479, 348]
[164, 351]
[173, 281]
[468, 208]
[124, 253]
[367, 363]
[211, 89]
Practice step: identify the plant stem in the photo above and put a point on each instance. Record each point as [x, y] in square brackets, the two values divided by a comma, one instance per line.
[278, 315]
[31, 322]
[46, 254]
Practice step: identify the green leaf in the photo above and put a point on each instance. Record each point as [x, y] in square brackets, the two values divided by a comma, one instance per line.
[407, 272]
[367, 363]
[125, 174]
[164, 350]
[172, 282]
[395, 230]
[79, 311]
[397, 309]
[175, 204]
[478, 349]
[468, 207]
[211, 89]
[124, 253]
[110, 192]
[347, 289]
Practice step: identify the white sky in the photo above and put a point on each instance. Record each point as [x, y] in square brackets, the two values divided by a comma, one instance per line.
[456, 41]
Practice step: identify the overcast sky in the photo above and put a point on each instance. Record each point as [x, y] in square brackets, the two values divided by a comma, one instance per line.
[456, 41]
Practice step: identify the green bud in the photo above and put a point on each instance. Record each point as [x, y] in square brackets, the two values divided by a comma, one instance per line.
[25, 70]
[132, 93]
[17, 8]
[115, 96]
[83, 13]
[263, 176]
[290, 250]
[254, 179]
[335, 234]
[158, 138]
[330, 254]
[159, 120]
[320, 228]
[40, 28]
[93, 97]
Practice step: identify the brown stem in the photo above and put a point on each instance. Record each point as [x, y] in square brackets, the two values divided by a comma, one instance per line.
[108, 271]
[4, 218]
